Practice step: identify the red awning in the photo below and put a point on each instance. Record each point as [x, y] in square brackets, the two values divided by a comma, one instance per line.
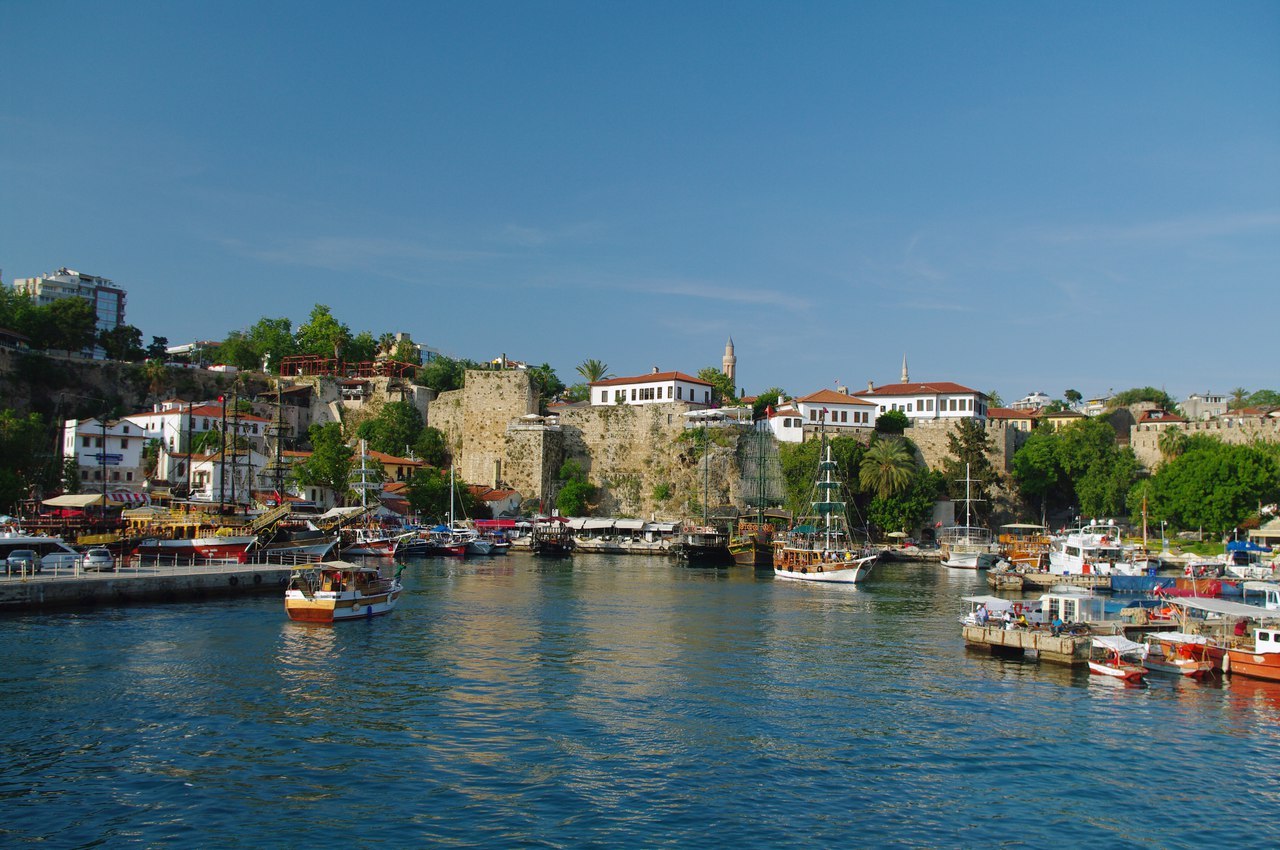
[495, 523]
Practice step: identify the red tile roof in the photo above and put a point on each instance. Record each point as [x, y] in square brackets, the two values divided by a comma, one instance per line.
[931, 388]
[653, 377]
[382, 457]
[1159, 416]
[833, 397]
[1009, 413]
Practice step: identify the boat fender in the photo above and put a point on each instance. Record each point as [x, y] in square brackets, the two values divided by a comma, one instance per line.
[257, 578]
[1226, 662]
[233, 581]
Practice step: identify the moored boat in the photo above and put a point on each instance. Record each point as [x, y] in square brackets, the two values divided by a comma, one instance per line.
[215, 547]
[1258, 658]
[332, 591]
[968, 546]
[1109, 658]
[551, 537]
[1178, 653]
[704, 545]
[819, 547]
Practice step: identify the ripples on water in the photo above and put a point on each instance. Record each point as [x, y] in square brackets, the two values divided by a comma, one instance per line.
[603, 701]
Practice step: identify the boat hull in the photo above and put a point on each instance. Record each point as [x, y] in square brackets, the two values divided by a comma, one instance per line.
[831, 571]
[1123, 672]
[336, 607]
[1255, 665]
[208, 548]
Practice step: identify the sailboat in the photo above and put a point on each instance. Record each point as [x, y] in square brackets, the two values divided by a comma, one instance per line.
[819, 547]
[705, 544]
[367, 539]
[751, 543]
[963, 546]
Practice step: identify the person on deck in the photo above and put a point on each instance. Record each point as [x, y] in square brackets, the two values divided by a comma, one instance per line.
[1056, 625]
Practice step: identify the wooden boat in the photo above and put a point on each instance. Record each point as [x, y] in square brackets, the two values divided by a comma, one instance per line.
[819, 547]
[703, 545]
[371, 541]
[551, 537]
[1257, 659]
[215, 547]
[967, 547]
[1179, 654]
[751, 544]
[331, 591]
[1109, 658]
[751, 540]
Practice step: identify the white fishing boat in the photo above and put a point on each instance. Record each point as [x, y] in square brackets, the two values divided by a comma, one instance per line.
[1113, 656]
[1093, 549]
[819, 547]
[968, 546]
[332, 591]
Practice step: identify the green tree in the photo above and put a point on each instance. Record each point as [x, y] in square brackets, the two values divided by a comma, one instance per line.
[892, 422]
[800, 469]
[546, 382]
[908, 509]
[322, 335]
[1139, 394]
[970, 455]
[123, 342]
[443, 374]
[575, 492]
[1073, 396]
[267, 341]
[429, 495]
[431, 447]
[1039, 474]
[768, 398]
[994, 399]
[593, 370]
[887, 468]
[1239, 398]
[1101, 473]
[1172, 442]
[361, 348]
[159, 348]
[406, 352]
[722, 389]
[395, 430]
[71, 324]
[1212, 485]
[25, 467]
[1264, 398]
[330, 463]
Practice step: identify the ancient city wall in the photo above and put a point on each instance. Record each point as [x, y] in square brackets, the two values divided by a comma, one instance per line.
[1236, 430]
[474, 420]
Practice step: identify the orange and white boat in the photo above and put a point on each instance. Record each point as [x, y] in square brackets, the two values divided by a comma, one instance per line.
[1178, 653]
[1259, 659]
[330, 591]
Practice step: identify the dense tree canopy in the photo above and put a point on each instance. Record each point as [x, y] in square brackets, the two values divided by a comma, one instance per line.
[970, 456]
[1211, 485]
[1137, 394]
[576, 492]
[800, 469]
[330, 463]
[443, 374]
[722, 389]
[768, 398]
[1079, 466]
[123, 342]
[913, 506]
[67, 324]
[395, 430]
[24, 458]
[429, 495]
[892, 422]
[322, 335]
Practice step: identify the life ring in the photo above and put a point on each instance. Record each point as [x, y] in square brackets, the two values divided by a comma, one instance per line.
[1017, 608]
[233, 581]
[257, 578]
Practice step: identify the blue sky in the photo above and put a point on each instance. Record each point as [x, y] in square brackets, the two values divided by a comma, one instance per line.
[1017, 196]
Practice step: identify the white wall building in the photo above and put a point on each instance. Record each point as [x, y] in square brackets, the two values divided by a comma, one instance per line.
[173, 422]
[654, 388]
[107, 298]
[1031, 401]
[1202, 406]
[929, 400]
[105, 451]
[837, 412]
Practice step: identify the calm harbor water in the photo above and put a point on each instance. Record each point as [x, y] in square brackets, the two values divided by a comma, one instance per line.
[609, 701]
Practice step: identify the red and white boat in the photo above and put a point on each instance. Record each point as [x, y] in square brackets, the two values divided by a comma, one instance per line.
[331, 591]
[371, 542]
[1109, 660]
[1178, 653]
[215, 547]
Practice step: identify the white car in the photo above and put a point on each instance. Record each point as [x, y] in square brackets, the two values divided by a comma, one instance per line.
[98, 560]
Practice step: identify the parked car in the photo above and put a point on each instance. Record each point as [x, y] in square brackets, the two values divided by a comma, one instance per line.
[98, 560]
[23, 561]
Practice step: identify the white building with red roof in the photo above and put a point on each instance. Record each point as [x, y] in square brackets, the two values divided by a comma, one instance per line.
[653, 388]
[174, 423]
[927, 400]
[836, 411]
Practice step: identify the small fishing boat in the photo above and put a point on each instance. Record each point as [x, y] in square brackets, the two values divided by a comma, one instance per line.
[1109, 659]
[1178, 653]
[330, 591]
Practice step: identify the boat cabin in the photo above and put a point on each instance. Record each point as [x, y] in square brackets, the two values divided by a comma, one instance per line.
[1265, 594]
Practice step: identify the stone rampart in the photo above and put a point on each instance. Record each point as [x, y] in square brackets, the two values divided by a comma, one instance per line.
[474, 421]
[1235, 430]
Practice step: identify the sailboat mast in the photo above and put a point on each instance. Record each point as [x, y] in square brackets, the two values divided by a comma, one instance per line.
[450, 497]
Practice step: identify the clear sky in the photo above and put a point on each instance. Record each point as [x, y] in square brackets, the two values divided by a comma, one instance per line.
[1017, 196]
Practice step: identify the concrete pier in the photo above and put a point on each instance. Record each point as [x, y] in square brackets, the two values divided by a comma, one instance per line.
[72, 588]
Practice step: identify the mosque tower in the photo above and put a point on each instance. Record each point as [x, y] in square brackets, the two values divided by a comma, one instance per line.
[729, 363]
[905, 378]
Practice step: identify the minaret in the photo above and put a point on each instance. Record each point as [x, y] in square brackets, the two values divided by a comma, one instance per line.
[729, 363]
[905, 378]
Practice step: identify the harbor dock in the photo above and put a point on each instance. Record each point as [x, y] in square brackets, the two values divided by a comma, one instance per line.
[1061, 649]
[74, 588]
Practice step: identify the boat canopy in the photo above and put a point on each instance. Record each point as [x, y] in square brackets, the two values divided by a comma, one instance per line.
[1179, 637]
[1024, 526]
[1118, 643]
[495, 523]
[1232, 546]
[993, 603]
[78, 500]
[1221, 606]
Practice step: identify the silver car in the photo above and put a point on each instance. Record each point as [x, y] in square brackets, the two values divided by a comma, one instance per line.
[98, 560]
[23, 561]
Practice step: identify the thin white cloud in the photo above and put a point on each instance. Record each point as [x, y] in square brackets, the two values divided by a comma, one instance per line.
[525, 236]
[350, 253]
[1168, 230]
[718, 292]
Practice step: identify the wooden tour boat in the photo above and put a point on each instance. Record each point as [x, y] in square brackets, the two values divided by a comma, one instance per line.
[330, 591]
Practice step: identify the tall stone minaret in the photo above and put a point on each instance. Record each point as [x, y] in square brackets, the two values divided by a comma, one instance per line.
[905, 378]
[729, 363]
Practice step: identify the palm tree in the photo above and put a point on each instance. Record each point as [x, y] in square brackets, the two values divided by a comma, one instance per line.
[1172, 443]
[888, 467]
[1238, 397]
[593, 370]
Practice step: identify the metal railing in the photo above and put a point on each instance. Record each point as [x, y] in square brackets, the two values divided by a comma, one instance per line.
[161, 566]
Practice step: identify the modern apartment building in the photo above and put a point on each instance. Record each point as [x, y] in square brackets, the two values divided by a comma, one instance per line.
[107, 298]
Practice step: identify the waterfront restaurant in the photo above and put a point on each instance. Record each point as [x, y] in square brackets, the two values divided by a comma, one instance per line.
[654, 388]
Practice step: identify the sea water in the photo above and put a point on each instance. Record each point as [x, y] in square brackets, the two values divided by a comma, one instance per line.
[609, 701]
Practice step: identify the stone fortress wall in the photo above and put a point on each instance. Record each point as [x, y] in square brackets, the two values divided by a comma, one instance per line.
[1235, 430]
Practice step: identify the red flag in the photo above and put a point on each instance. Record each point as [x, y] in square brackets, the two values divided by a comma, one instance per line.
[768, 410]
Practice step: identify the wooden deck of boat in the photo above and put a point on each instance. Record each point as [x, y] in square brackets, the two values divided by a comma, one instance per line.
[1060, 649]
[1032, 582]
